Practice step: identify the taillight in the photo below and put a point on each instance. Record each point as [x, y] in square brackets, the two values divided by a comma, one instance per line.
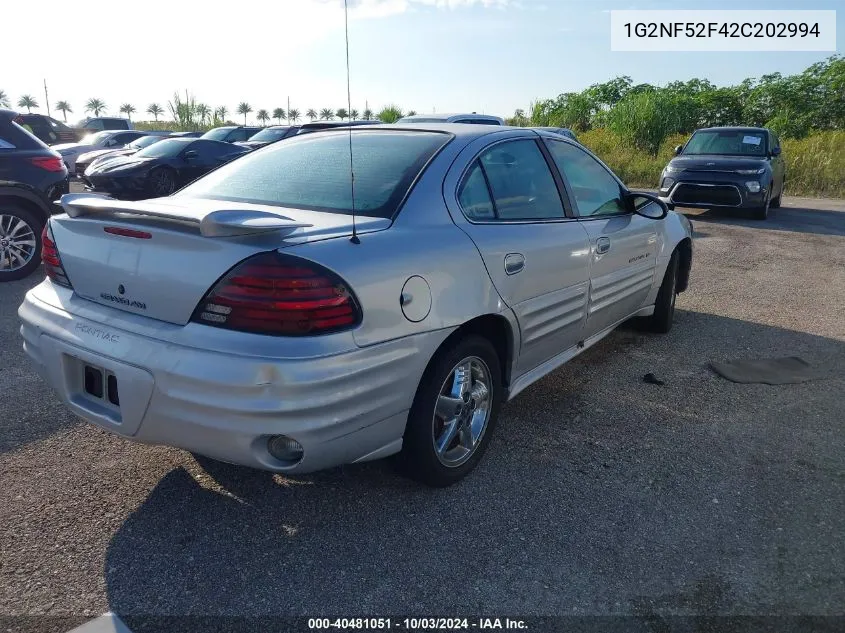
[277, 294]
[51, 259]
[50, 163]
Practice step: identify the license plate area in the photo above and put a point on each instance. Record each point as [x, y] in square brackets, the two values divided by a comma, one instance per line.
[101, 384]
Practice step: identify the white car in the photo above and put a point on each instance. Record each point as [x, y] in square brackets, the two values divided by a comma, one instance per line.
[101, 140]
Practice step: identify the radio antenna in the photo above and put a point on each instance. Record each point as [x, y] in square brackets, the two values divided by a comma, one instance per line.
[354, 239]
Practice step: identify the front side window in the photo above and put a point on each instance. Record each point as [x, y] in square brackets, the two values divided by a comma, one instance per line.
[520, 182]
[594, 188]
[313, 172]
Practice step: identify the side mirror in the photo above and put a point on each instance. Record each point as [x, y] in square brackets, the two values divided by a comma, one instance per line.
[647, 205]
[191, 154]
[776, 151]
[678, 149]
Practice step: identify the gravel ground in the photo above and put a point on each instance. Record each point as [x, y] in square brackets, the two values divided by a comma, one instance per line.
[600, 494]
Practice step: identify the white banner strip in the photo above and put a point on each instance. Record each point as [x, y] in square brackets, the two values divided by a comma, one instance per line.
[688, 30]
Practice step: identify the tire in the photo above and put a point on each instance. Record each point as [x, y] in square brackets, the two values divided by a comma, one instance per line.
[774, 203]
[664, 307]
[161, 182]
[762, 213]
[20, 237]
[470, 424]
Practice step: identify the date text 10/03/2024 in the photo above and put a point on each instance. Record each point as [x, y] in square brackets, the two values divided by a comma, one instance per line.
[416, 624]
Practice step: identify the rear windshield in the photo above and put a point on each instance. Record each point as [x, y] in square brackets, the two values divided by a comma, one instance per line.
[218, 134]
[727, 142]
[144, 141]
[313, 172]
[168, 148]
[270, 134]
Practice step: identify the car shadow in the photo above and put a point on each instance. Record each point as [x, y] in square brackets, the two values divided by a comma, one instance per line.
[793, 219]
[25, 416]
[600, 494]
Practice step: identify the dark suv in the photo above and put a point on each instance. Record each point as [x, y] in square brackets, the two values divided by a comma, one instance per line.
[32, 177]
[726, 167]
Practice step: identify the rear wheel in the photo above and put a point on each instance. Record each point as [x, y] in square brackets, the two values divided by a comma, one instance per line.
[162, 182]
[20, 242]
[454, 412]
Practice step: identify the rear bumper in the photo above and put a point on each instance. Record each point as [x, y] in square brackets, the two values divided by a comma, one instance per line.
[343, 408]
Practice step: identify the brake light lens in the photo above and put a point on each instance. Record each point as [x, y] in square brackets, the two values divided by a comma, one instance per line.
[281, 295]
[51, 259]
[50, 163]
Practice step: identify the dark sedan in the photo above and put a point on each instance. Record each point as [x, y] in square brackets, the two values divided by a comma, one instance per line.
[726, 167]
[160, 169]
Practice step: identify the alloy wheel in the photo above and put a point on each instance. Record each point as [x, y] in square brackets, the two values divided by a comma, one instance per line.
[163, 184]
[462, 411]
[17, 243]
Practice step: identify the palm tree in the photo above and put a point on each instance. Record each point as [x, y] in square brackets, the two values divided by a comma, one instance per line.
[244, 108]
[327, 114]
[263, 116]
[311, 113]
[27, 102]
[279, 114]
[203, 111]
[95, 105]
[64, 108]
[293, 115]
[222, 112]
[390, 114]
[155, 109]
[4, 99]
[342, 113]
[368, 114]
[353, 114]
[127, 109]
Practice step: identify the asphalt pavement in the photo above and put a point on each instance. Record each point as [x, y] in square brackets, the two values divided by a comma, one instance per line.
[600, 494]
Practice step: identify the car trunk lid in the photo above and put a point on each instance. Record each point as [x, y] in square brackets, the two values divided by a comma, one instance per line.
[158, 258]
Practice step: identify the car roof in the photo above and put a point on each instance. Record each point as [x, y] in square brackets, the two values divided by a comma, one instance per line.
[732, 128]
[324, 124]
[463, 131]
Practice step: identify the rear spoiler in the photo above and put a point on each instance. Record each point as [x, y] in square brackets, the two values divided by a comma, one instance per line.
[212, 223]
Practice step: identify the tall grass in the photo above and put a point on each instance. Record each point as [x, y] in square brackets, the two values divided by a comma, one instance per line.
[815, 165]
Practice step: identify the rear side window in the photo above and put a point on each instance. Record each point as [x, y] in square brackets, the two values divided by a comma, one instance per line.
[519, 180]
[312, 171]
[13, 136]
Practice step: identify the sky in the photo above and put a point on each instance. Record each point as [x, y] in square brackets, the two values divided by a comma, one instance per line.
[489, 56]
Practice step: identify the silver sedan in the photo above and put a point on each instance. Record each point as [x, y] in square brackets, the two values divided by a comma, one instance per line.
[282, 314]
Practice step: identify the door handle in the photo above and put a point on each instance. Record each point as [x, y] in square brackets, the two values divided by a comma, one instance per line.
[602, 245]
[514, 262]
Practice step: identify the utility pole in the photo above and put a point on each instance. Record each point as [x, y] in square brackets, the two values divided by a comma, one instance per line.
[46, 98]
